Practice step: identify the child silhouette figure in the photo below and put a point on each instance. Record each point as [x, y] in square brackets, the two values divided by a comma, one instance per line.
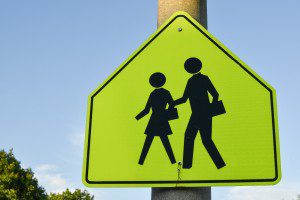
[158, 124]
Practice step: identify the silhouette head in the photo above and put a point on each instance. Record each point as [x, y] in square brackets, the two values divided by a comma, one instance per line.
[157, 79]
[193, 65]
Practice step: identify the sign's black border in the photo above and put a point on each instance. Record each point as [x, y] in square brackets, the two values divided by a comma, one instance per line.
[183, 181]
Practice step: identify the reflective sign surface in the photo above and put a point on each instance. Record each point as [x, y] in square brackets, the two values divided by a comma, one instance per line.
[183, 110]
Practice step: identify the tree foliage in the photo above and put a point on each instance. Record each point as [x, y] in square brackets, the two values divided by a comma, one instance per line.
[68, 195]
[17, 183]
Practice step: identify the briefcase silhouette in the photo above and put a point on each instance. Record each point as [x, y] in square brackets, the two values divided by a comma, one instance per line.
[172, 113]
[217, 108]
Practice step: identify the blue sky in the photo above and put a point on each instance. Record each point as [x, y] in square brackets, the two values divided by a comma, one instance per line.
[54, 53]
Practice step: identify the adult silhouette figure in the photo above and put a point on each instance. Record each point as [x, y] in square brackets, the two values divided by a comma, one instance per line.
[196, 91]
[158, 124]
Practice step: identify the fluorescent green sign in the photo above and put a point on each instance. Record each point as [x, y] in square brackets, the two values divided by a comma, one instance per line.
[183, 110]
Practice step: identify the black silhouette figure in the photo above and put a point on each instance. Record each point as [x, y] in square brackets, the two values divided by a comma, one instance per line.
[158, 124]
[196, 91]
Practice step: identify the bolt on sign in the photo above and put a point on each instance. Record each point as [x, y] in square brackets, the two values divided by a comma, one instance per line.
[182, 111]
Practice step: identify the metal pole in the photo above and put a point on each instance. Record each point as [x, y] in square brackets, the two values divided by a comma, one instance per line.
[181, 193]
[198, 10]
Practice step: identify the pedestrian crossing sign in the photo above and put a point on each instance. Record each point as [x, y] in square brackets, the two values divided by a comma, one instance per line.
[182, 111]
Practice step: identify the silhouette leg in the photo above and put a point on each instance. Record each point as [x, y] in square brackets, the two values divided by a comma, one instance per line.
[146, 148]
[168, 148]
[189, 139]
[206, 136]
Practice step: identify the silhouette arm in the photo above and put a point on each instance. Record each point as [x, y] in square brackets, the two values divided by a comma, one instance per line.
[212, 90]
[180, 101]
[145, 111]
[170, 100]
[184, 97]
